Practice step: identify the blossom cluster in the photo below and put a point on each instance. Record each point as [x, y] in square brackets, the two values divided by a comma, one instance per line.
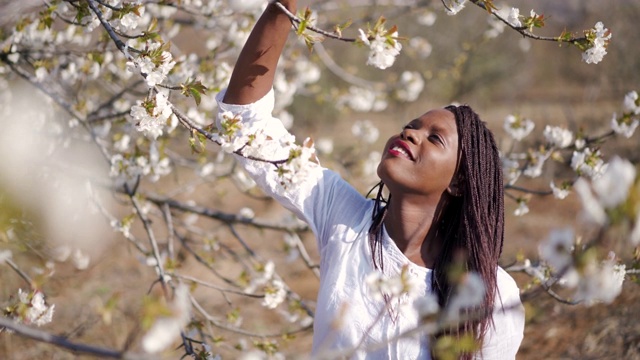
[150, 116]
[154, 63]
[383, 45]
[30, 307]
[598, 39]
[592, 281]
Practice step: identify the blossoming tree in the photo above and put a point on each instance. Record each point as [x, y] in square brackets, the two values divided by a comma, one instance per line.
[132, 83]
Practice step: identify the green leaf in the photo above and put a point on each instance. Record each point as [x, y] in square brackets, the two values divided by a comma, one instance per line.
[193, 89]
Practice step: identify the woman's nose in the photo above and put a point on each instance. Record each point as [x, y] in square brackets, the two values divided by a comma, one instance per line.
[409, 135]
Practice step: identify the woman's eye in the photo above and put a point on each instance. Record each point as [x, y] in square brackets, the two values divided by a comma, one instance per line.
[436, 138]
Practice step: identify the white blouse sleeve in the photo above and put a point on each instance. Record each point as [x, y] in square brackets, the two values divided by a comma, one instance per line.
[503, 339]
[319, 198]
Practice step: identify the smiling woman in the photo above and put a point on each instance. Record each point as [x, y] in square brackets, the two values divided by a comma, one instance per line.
[388, 266]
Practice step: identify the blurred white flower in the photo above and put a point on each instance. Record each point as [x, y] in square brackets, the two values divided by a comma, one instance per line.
[592, 211]
[559, 192]
[166, 329]
[613, 186]
[307, 72]
[363, 100]
[130, 20]
[469, 293]
[421, 46]
[588, 163]
[5, 255]
[370, 164]
[631, 104]
[624, 126]
[410, 86]
[426, 305]
[557, 249]
[30, 308]
[274, 294]
[365, 130]
[324, 145]
[522, 209]
[557, 136]
[246, 213]
[426, 18]
[518, 127]
[537, 160]
[600, 283]
[514, 17]
[634, 236]
[511, 169]
[80, 259]
[452, 7]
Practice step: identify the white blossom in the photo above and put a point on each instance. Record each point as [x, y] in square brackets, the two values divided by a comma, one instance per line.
[622, 127]
[631, 104]
[150, 116]
[511, 169]
[557, 249]
[522, 209]
[517, 127]
[298, 166]
[534, 168]
[383, 49]
[402, 285]
[588, 163]
[274, 294]
[598, 49]
[246, 213]
[557, 136]
[514, 17]
[31, 308]
[154, 71]
[559, 192]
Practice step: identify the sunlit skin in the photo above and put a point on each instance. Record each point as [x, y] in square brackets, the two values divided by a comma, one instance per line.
[418, 167]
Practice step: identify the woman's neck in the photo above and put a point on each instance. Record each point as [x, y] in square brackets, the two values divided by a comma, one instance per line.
[409, 223]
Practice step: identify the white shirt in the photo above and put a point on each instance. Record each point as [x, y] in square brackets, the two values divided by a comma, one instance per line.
[347, 315]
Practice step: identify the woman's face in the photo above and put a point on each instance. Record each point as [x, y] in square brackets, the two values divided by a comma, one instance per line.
[422, 159]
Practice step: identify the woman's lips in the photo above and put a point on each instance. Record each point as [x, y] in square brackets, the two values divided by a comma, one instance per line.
[401, 149]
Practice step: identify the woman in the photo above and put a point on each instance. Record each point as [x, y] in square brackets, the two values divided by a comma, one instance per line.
[445, 208]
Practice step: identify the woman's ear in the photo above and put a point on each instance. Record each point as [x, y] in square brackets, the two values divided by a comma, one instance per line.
[456, 187]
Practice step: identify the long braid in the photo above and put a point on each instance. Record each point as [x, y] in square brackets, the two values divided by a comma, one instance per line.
[478, 227]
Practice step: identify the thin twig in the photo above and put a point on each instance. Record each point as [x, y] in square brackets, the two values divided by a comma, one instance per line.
[62, 342]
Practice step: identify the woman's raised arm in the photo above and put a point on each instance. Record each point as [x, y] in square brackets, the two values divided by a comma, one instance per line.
[253, 74]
